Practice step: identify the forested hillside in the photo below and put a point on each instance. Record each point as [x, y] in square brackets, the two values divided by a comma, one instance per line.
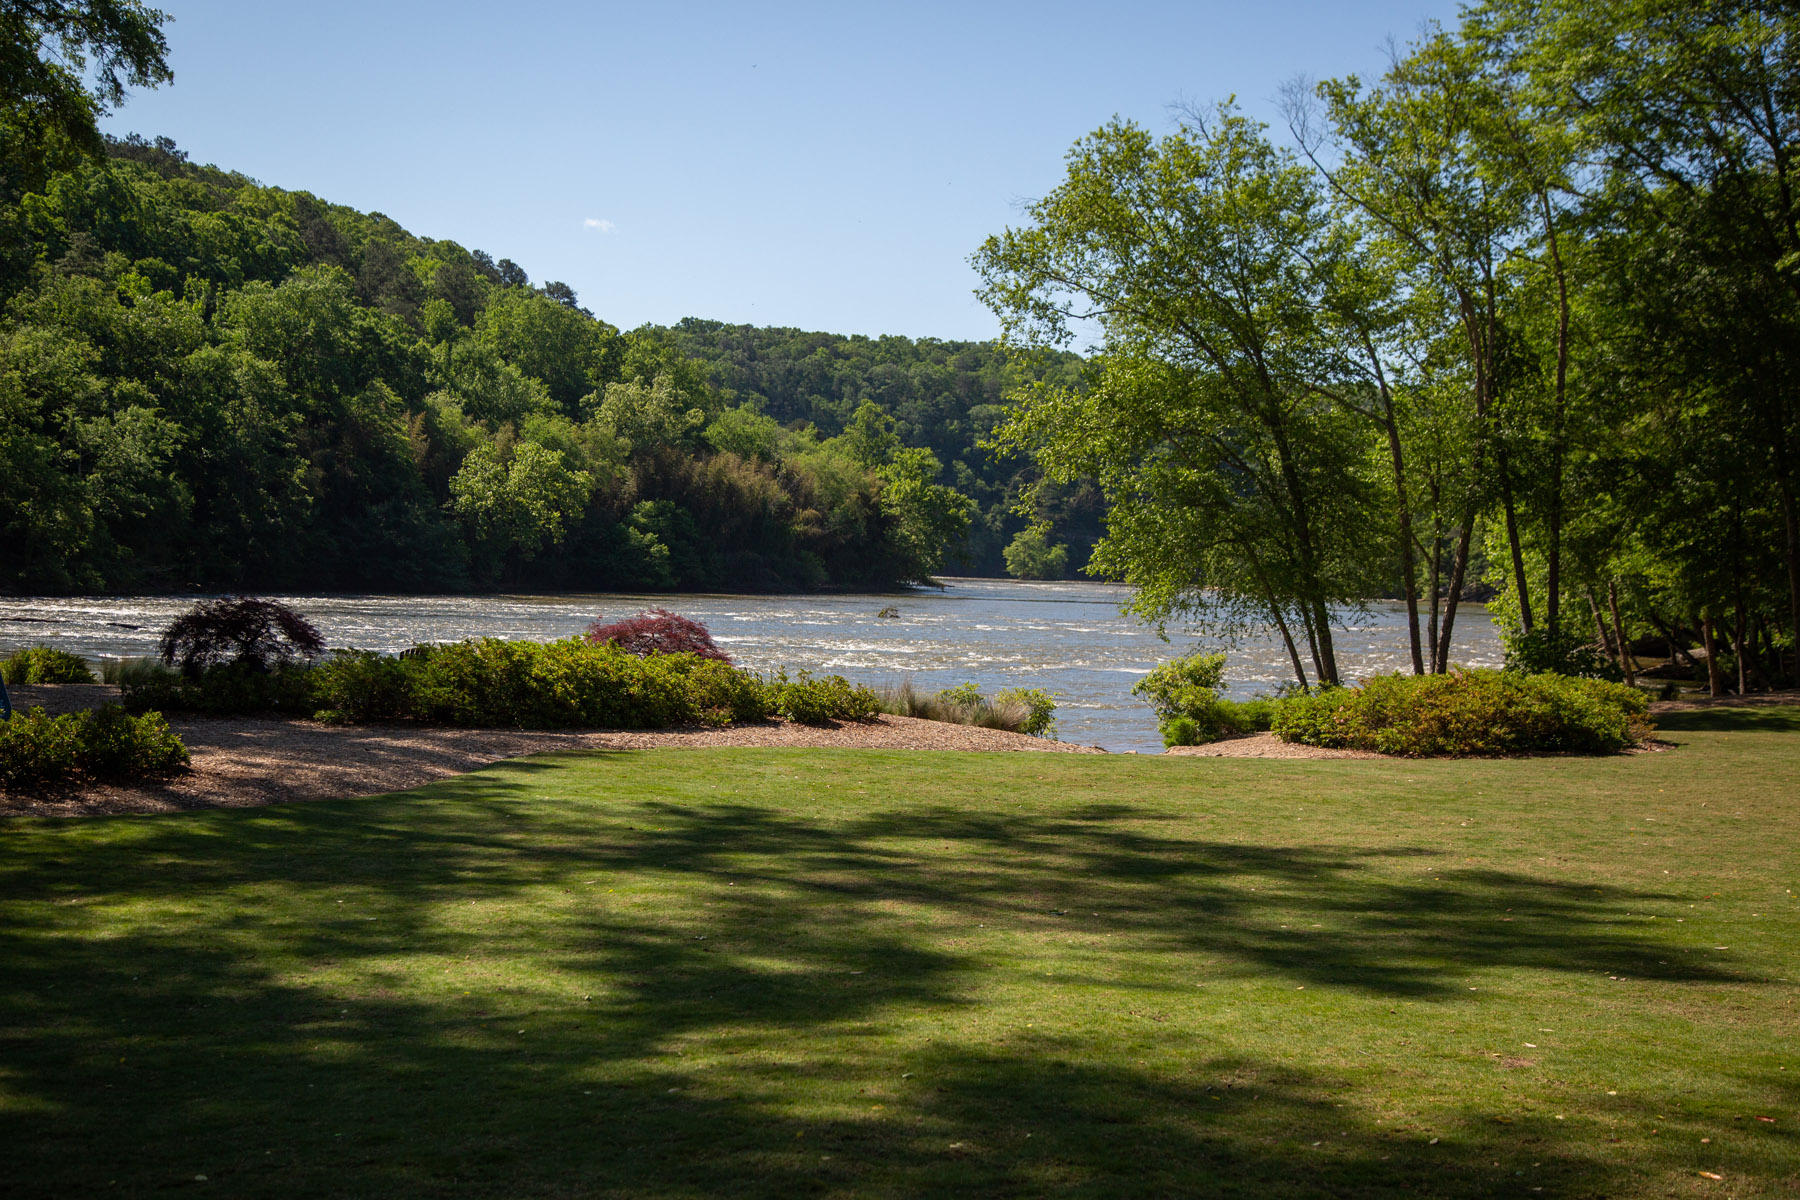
[208, 383]
[945, 396]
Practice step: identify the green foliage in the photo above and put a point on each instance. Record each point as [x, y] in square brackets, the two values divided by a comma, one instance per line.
[206, 384]
[225, 690]
[820, 701]
[44, 664]
[1548, 651]
[1039, 706]
[104, 745]
[1184, 693]
[946, 397]
[488, 683]
[1031, 556]
[1469, 713]
[1017, 710]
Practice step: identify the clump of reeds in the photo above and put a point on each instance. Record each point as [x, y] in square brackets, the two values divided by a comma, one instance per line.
[1015, 710]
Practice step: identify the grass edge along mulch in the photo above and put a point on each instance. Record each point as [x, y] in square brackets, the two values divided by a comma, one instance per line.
[898, 973]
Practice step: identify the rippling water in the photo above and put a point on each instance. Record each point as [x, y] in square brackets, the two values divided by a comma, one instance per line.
[1065, 637]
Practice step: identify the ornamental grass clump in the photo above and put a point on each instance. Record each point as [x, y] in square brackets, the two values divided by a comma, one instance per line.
[1468, 713]
[102, 745]
[44, 664]
[1030, 711]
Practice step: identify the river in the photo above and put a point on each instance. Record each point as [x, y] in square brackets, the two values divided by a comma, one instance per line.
[1067, 638]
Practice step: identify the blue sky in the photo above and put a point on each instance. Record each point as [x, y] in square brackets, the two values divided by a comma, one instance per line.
[826, 166]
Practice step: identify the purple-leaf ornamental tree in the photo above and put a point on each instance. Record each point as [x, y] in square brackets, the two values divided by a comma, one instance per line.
[657, 631]
[260, 633]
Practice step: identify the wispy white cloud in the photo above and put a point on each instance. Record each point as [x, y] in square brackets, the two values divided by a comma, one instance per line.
[600, 223]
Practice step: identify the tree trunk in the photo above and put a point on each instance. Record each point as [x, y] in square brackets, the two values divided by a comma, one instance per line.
[1408, 572]
[1312, 641]
[1287, 637]
[1601, 638]
[1791, 522]
[1553, 586]
[1522, 586]
[1738, 648]
[1626, 664]
[1456, 585]
[1715, 681]
[1437, 565]
[1328, 672]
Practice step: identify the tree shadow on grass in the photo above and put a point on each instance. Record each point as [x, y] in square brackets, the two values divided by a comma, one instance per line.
[437, 993]
[1773, 719]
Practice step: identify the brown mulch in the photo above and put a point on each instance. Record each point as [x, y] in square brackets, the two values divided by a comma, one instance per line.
[1265, 745]
[242, 762]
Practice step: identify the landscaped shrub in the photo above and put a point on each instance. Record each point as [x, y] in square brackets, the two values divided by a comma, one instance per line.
[1184, 693]
[44, 664]
[105, 744]
[259, 634]
[570, 684]
[228, 690]
[1016, 710]
[362, 687]
[1469, 713]
[657, 631]
[813, 701]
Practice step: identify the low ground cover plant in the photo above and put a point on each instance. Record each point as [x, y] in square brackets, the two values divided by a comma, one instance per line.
[44, 664]
[1029, 711]
[1471, 712]
[1184, 692]
[105, 744]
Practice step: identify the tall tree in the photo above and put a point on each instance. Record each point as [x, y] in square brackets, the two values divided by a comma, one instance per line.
[1234, 485]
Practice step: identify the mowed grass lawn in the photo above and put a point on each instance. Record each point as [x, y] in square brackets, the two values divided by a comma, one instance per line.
[796, 973]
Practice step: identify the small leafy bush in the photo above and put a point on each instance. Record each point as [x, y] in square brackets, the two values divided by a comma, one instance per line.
[258, 634]
[44, 664]
[1476, 712]
[657, 631]
[230, 689]
[362, 687]
[105, 744]
[811, 701]
[1184, 693]
[1029, 711]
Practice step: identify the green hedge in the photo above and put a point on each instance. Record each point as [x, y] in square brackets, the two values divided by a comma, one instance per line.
[44, 664]
[1477, 712]
[105, 744]
[820, 701]
[571, 684]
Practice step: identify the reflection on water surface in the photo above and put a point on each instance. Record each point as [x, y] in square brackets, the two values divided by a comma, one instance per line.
[1065, 637]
